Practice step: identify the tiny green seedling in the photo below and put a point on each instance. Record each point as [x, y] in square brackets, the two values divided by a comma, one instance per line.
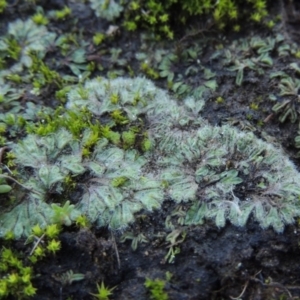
[103, 292]
[63, 214]
[69, 277]
[136, 239]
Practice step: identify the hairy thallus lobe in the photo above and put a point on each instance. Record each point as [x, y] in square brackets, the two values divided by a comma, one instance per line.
[220, 173]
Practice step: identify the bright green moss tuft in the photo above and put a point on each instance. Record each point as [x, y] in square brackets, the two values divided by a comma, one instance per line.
[16, 278]
[156, 289]
[157, 16]
[3, 5]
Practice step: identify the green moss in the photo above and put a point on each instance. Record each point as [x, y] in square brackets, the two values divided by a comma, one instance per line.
[75, 122]
[156, 289]
[42, 76]
[13, 48]
[118, 117]
[220, 100]
[112, 136]
[14, 78]
[63, 13]
[15, 276]
[150, 72]
[157, 16]
[98, 38]
[40, 19]
[128, 138]
[3, 5]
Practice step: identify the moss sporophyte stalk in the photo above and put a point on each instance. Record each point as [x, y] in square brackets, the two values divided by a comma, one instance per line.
[124, 146]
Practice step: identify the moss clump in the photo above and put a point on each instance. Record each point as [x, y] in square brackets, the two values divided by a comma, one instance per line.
[158, 17]
[156, 289]
[15, 278]
[3, 5]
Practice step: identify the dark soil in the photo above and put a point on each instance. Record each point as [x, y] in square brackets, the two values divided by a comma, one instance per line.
[228, 263]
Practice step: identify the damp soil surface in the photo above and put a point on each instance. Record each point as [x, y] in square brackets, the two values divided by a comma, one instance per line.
[227, 263]
[196, 262]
